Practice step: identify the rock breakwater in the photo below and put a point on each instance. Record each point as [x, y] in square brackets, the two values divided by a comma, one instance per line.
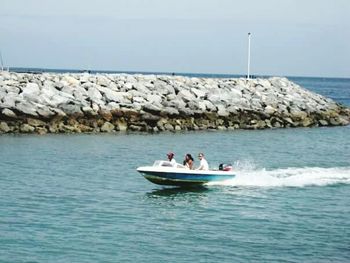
[65, 103]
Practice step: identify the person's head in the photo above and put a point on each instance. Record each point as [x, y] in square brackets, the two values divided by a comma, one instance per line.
[170, 156]
[200, 156]
[189, 157]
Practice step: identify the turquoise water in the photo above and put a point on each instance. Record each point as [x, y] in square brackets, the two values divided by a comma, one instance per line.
[78, 198]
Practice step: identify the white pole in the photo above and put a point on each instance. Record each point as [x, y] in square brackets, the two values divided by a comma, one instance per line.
[248, 75]
[2, 62]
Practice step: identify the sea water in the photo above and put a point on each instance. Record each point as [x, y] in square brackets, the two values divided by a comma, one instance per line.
[78, 198]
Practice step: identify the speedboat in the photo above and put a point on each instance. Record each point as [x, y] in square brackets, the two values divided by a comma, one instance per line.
[164, 173]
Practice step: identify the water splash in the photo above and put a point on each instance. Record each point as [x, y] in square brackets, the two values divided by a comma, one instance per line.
[289, 177]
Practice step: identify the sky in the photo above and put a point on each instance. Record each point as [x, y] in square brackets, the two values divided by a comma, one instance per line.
[288, 37]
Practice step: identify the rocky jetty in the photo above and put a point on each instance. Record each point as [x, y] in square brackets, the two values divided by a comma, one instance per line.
[74, 103]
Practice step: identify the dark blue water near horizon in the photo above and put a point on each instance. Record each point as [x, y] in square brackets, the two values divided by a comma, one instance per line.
[79, 198]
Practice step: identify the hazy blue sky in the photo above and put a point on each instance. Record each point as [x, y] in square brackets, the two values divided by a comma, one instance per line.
[289, 37]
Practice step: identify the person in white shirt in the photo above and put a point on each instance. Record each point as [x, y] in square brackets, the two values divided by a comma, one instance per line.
[203, 163]
[172, 159]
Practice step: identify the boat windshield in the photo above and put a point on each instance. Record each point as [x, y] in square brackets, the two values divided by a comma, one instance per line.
[161, 163]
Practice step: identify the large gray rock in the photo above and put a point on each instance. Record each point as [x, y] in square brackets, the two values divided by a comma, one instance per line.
[153, 98]
[103, 81]
[9, 113]
[142, 87]
[222, 111]
[31, 92]
[11, 89]
[4, 127]
[186, 95]
[176, 103]
[209, 105]
[27, 108]
[26, 128]
[94, 94]
[111, 95]
[163, 87]
[269, 110]
[215, 97]
[169, 111]
[35, 122]
[70, 80]
[151, 108]
[107, 127]
[57, 100]
[198, 93]
[49, 90]
[139, 100]
[45, 112]
[80, 94]
[121, 125]
[71, 109]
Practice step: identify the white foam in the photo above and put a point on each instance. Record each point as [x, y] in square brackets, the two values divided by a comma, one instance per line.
[289, 177]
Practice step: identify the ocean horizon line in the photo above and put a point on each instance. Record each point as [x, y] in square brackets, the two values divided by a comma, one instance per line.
[187, 74]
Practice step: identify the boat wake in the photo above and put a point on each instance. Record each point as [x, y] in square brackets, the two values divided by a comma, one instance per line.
[288, 177]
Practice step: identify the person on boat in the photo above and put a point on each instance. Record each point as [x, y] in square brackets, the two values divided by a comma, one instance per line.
[171, 158]
[203, 162]
[188, 162]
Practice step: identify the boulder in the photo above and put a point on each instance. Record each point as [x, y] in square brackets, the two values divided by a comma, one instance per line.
[70, 80]
[80, 94]
[49, 90]
[4, 127]
[148, 117]
[168, 111]
[209, 106]
[59, 113]
[177, 128]
[142, 87]
[198, 93]
[58, 99]
[107, 127]
[89, 111]
[114, 96]
[103, 81]
[12, 89]
[186, 95]
[71, 109]
[186, 112]
[269, 110]
[35, 122]
[154, 98]
[27, 108]
[163, 87]
[45, 112]
[151, 108]
[222, 111]
[138, 100]
[94, 94]
[41, 130]
[26, 128]
[31, 88]
[121, 125]
[306, 122]
[9, 113]
[168, 127]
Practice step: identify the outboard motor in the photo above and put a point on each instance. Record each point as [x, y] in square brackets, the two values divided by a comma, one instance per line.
[225, 167]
